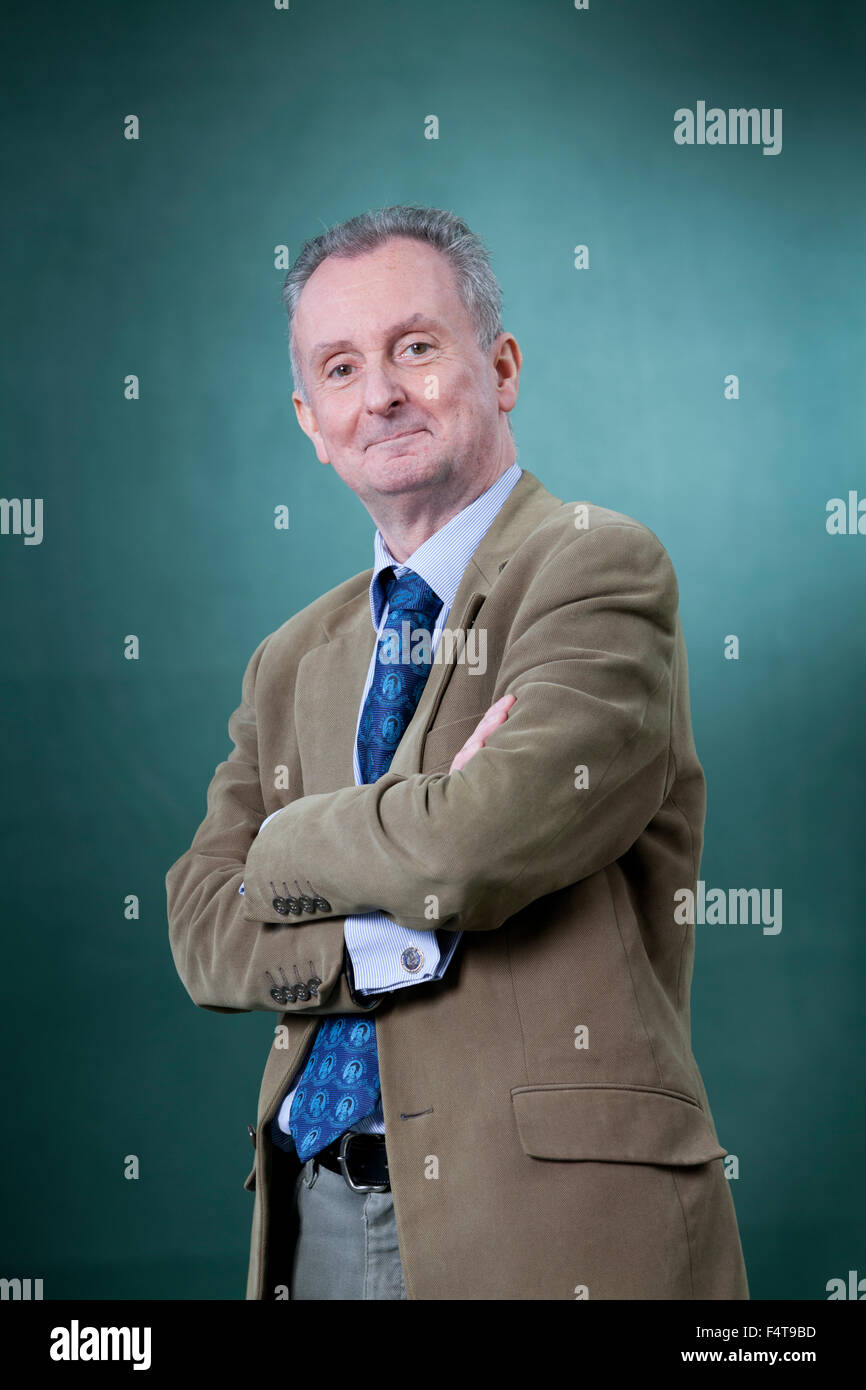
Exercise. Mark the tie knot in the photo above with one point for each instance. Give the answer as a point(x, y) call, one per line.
point(410, 593)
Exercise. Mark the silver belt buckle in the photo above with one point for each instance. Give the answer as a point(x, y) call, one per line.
point(343, 1161)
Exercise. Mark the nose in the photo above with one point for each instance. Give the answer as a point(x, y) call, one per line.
point(382, 388)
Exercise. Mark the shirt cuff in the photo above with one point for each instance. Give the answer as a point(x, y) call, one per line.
point(387, 956)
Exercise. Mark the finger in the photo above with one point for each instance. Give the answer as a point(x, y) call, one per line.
point(495, 715)
point(470, 747)
point(490, 720)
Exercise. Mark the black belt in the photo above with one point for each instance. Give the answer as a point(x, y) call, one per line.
point(360, 1158)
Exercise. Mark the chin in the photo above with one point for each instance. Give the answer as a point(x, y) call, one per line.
point(401, 474)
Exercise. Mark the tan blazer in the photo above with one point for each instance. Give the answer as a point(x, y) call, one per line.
point(548, 1131)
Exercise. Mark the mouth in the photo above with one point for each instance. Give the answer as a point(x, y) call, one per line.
point(406, 434)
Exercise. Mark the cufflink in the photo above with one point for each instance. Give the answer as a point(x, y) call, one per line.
point(412, 959)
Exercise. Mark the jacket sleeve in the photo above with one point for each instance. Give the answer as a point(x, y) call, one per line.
point(227, 965)
point(562, 788)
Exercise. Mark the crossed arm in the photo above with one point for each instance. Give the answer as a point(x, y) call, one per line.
point(564, 786)
point(227, 965)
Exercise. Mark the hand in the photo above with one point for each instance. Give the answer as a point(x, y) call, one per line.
point(496, 715)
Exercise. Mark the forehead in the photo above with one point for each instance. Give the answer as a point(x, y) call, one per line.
point(360, 299)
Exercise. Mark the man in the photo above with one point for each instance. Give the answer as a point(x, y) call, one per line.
point(446, 855)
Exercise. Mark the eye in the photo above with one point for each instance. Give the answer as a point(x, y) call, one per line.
point(428, 347)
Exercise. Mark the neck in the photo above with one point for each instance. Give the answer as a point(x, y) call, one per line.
point(406, 522)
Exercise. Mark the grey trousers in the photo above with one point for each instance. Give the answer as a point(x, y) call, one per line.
point(347, 1241)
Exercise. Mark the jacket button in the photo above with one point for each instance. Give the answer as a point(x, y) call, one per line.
point(301, 991)
point(280, 905)
point(292, 905)
point(308, 904)
point(281, 994)
point(319, 902)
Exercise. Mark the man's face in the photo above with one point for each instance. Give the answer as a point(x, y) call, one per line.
point(387, 348)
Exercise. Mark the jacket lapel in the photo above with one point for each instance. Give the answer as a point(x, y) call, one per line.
point(524, 508)
point(330, 681)
point(333, 675)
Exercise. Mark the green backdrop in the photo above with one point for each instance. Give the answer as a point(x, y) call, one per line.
point(156, 257)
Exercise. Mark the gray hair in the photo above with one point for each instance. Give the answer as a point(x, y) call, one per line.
point(476, 284)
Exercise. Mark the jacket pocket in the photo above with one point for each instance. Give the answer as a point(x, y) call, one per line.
point(613, 1124)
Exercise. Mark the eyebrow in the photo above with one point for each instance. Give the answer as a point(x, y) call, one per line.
point(323, 350)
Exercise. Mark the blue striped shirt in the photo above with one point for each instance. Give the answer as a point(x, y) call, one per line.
point(376, 944)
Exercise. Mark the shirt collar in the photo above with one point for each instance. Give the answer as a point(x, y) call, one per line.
point(442, 559)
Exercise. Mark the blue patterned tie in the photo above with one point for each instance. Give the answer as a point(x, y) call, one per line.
point(340, 1083)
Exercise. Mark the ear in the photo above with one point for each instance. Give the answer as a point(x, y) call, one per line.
point(307, 421)
point(507, 359)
